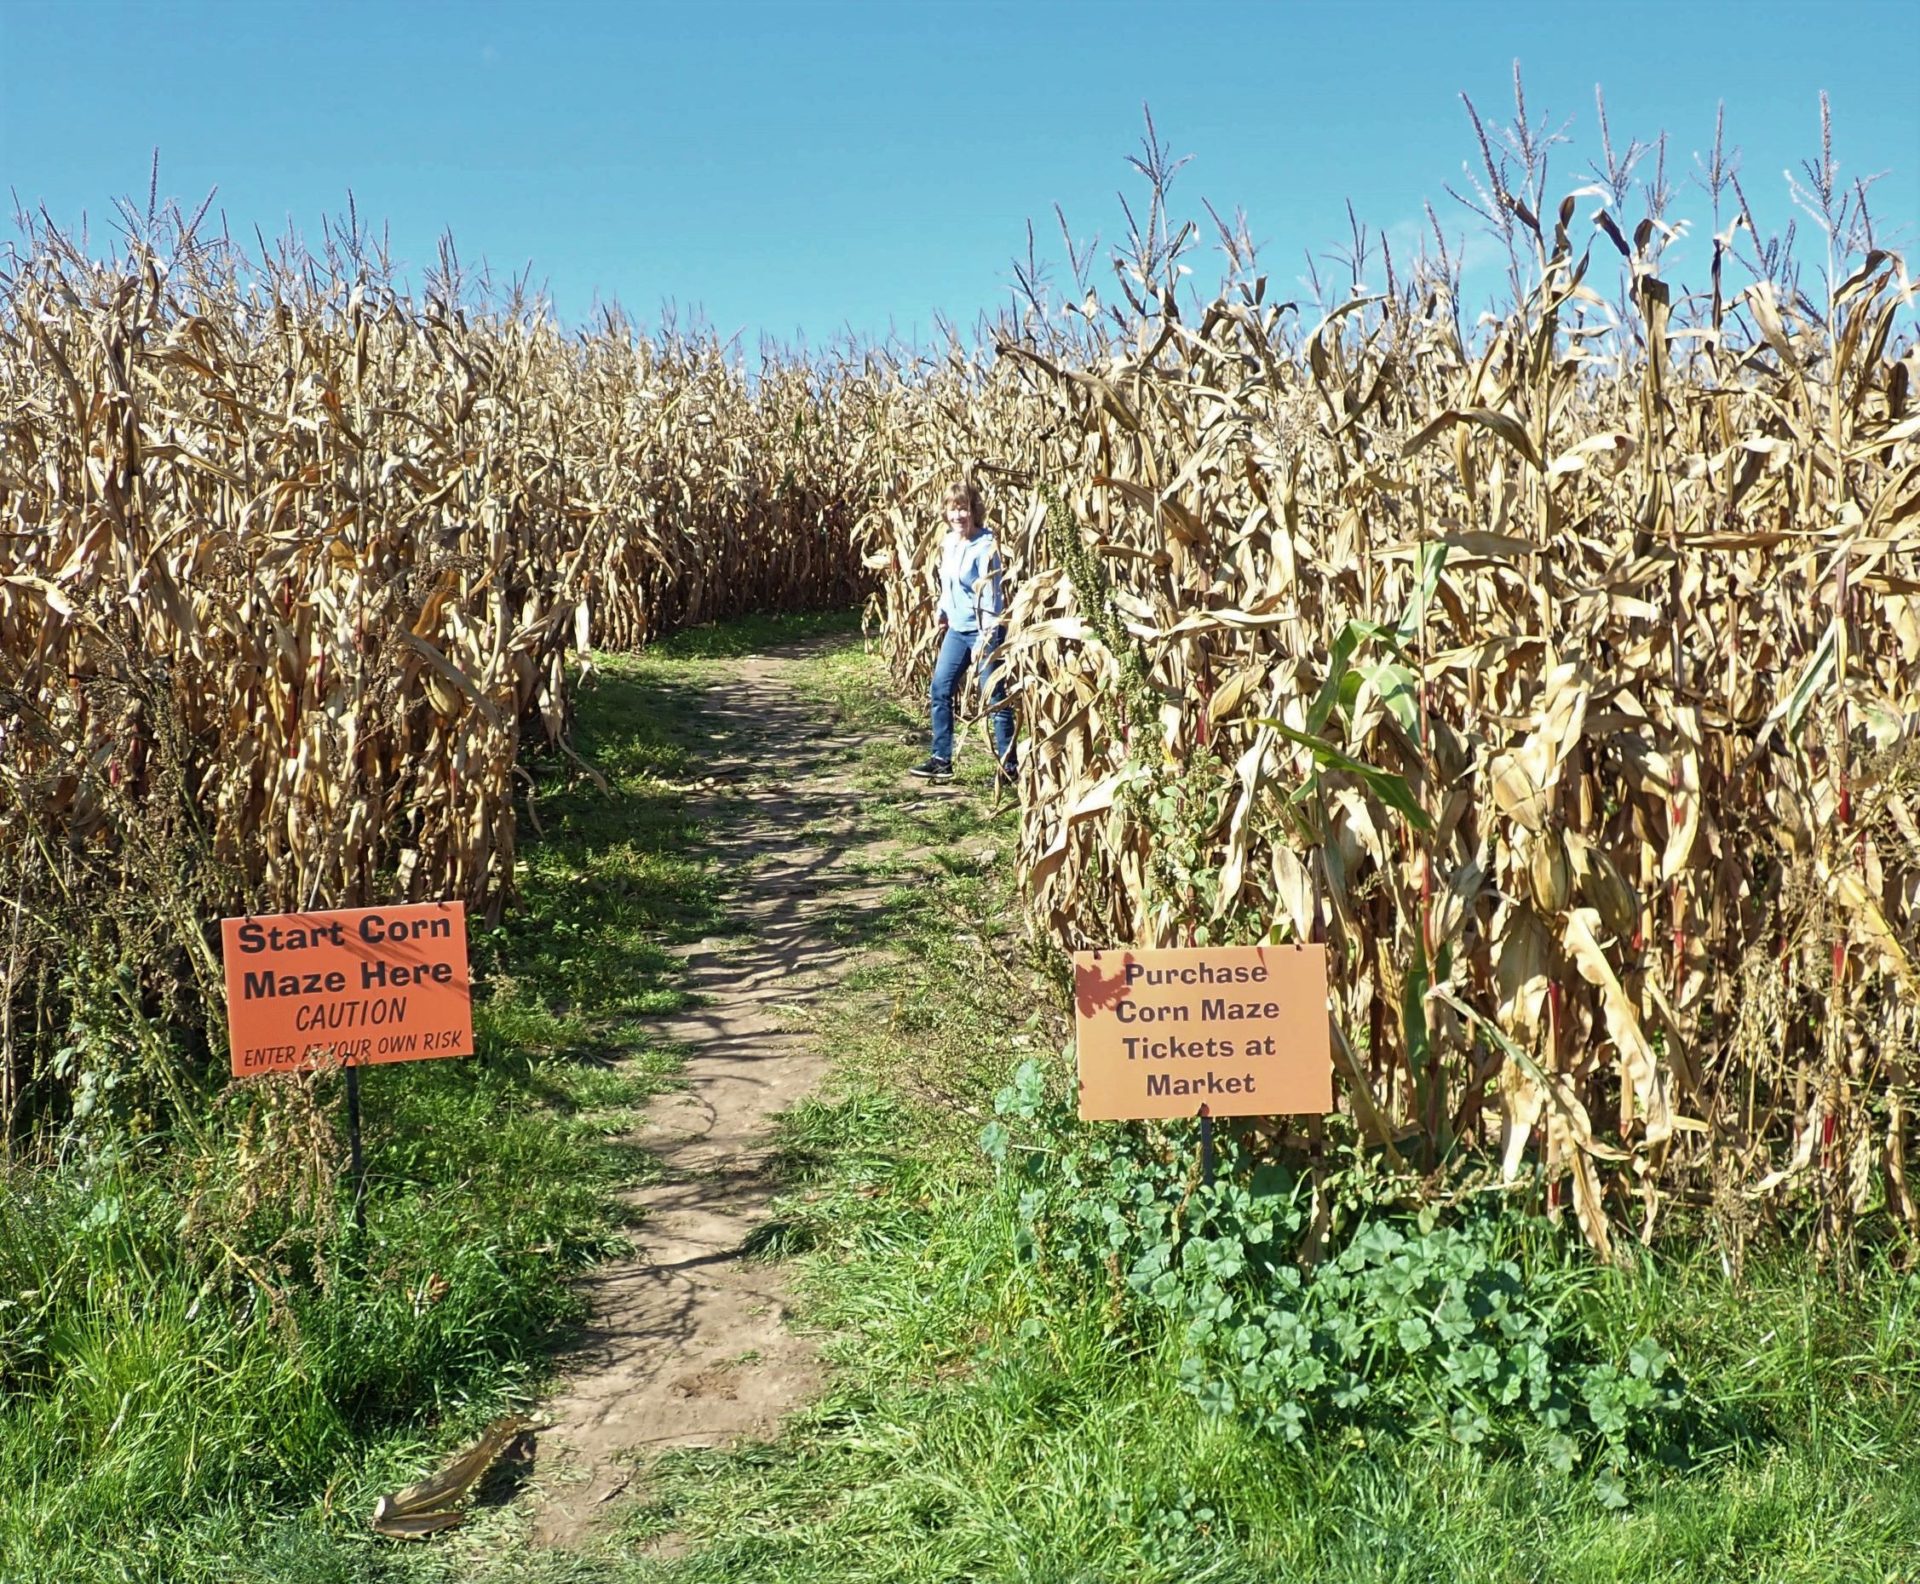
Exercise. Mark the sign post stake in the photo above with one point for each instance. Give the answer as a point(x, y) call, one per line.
point(1206, 1146)
point(353, 1145)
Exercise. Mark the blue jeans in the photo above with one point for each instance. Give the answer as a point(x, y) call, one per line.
point(957, 650)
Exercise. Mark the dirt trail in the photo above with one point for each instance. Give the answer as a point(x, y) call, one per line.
point(687, 1344)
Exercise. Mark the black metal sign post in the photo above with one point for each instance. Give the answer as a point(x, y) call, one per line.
point(353, 1144)
point(1206, 1146)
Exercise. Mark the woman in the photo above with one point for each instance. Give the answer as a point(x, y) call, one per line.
point(972, 625)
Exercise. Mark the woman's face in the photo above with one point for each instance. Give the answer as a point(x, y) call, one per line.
point(960, 518)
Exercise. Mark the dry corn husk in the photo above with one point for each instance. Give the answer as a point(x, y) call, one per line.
point(432, 1505)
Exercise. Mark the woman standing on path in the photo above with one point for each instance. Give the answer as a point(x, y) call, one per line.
point(972, 626)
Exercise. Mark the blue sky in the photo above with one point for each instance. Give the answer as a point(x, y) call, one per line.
point(803, 169)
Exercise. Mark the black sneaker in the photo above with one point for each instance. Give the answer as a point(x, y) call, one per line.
point(1006, 778)
point(933, 770)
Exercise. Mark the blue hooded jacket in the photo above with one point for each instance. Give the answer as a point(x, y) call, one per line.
point(970, 593)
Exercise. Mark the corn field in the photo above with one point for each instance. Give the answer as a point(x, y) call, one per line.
point(1564, 679)
point(292, 571)
point(1561, 673)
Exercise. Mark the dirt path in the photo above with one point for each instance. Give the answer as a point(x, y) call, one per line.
point(687, 1344)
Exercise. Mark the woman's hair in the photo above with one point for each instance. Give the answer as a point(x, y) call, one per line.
point(960, 492)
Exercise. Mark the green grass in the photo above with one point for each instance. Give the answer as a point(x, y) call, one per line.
point(982, 1422)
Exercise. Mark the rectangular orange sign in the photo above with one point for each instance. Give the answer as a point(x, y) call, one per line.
point(1241, 1030)
point(353, 987)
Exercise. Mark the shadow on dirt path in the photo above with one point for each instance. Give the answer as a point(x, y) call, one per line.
point(686, 1342)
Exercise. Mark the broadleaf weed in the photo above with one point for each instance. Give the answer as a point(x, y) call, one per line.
point(1470, 1327)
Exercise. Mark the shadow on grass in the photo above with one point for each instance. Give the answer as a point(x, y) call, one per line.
point(712, 872)
point(753, 635)
point(611, 879)
point(511, 1473)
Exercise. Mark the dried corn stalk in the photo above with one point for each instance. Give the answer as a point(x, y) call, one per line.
point(292, 569)
point(1566, 682)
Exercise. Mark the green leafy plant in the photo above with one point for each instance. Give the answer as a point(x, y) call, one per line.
point(1473, 1328)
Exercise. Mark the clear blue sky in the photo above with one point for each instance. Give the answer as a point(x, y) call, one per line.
point(806, 167)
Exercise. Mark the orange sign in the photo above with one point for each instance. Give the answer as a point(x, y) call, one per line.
point(357, 986)
point(1239, 1030)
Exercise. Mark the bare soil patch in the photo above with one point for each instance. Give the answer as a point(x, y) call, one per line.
point(688, 1343)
